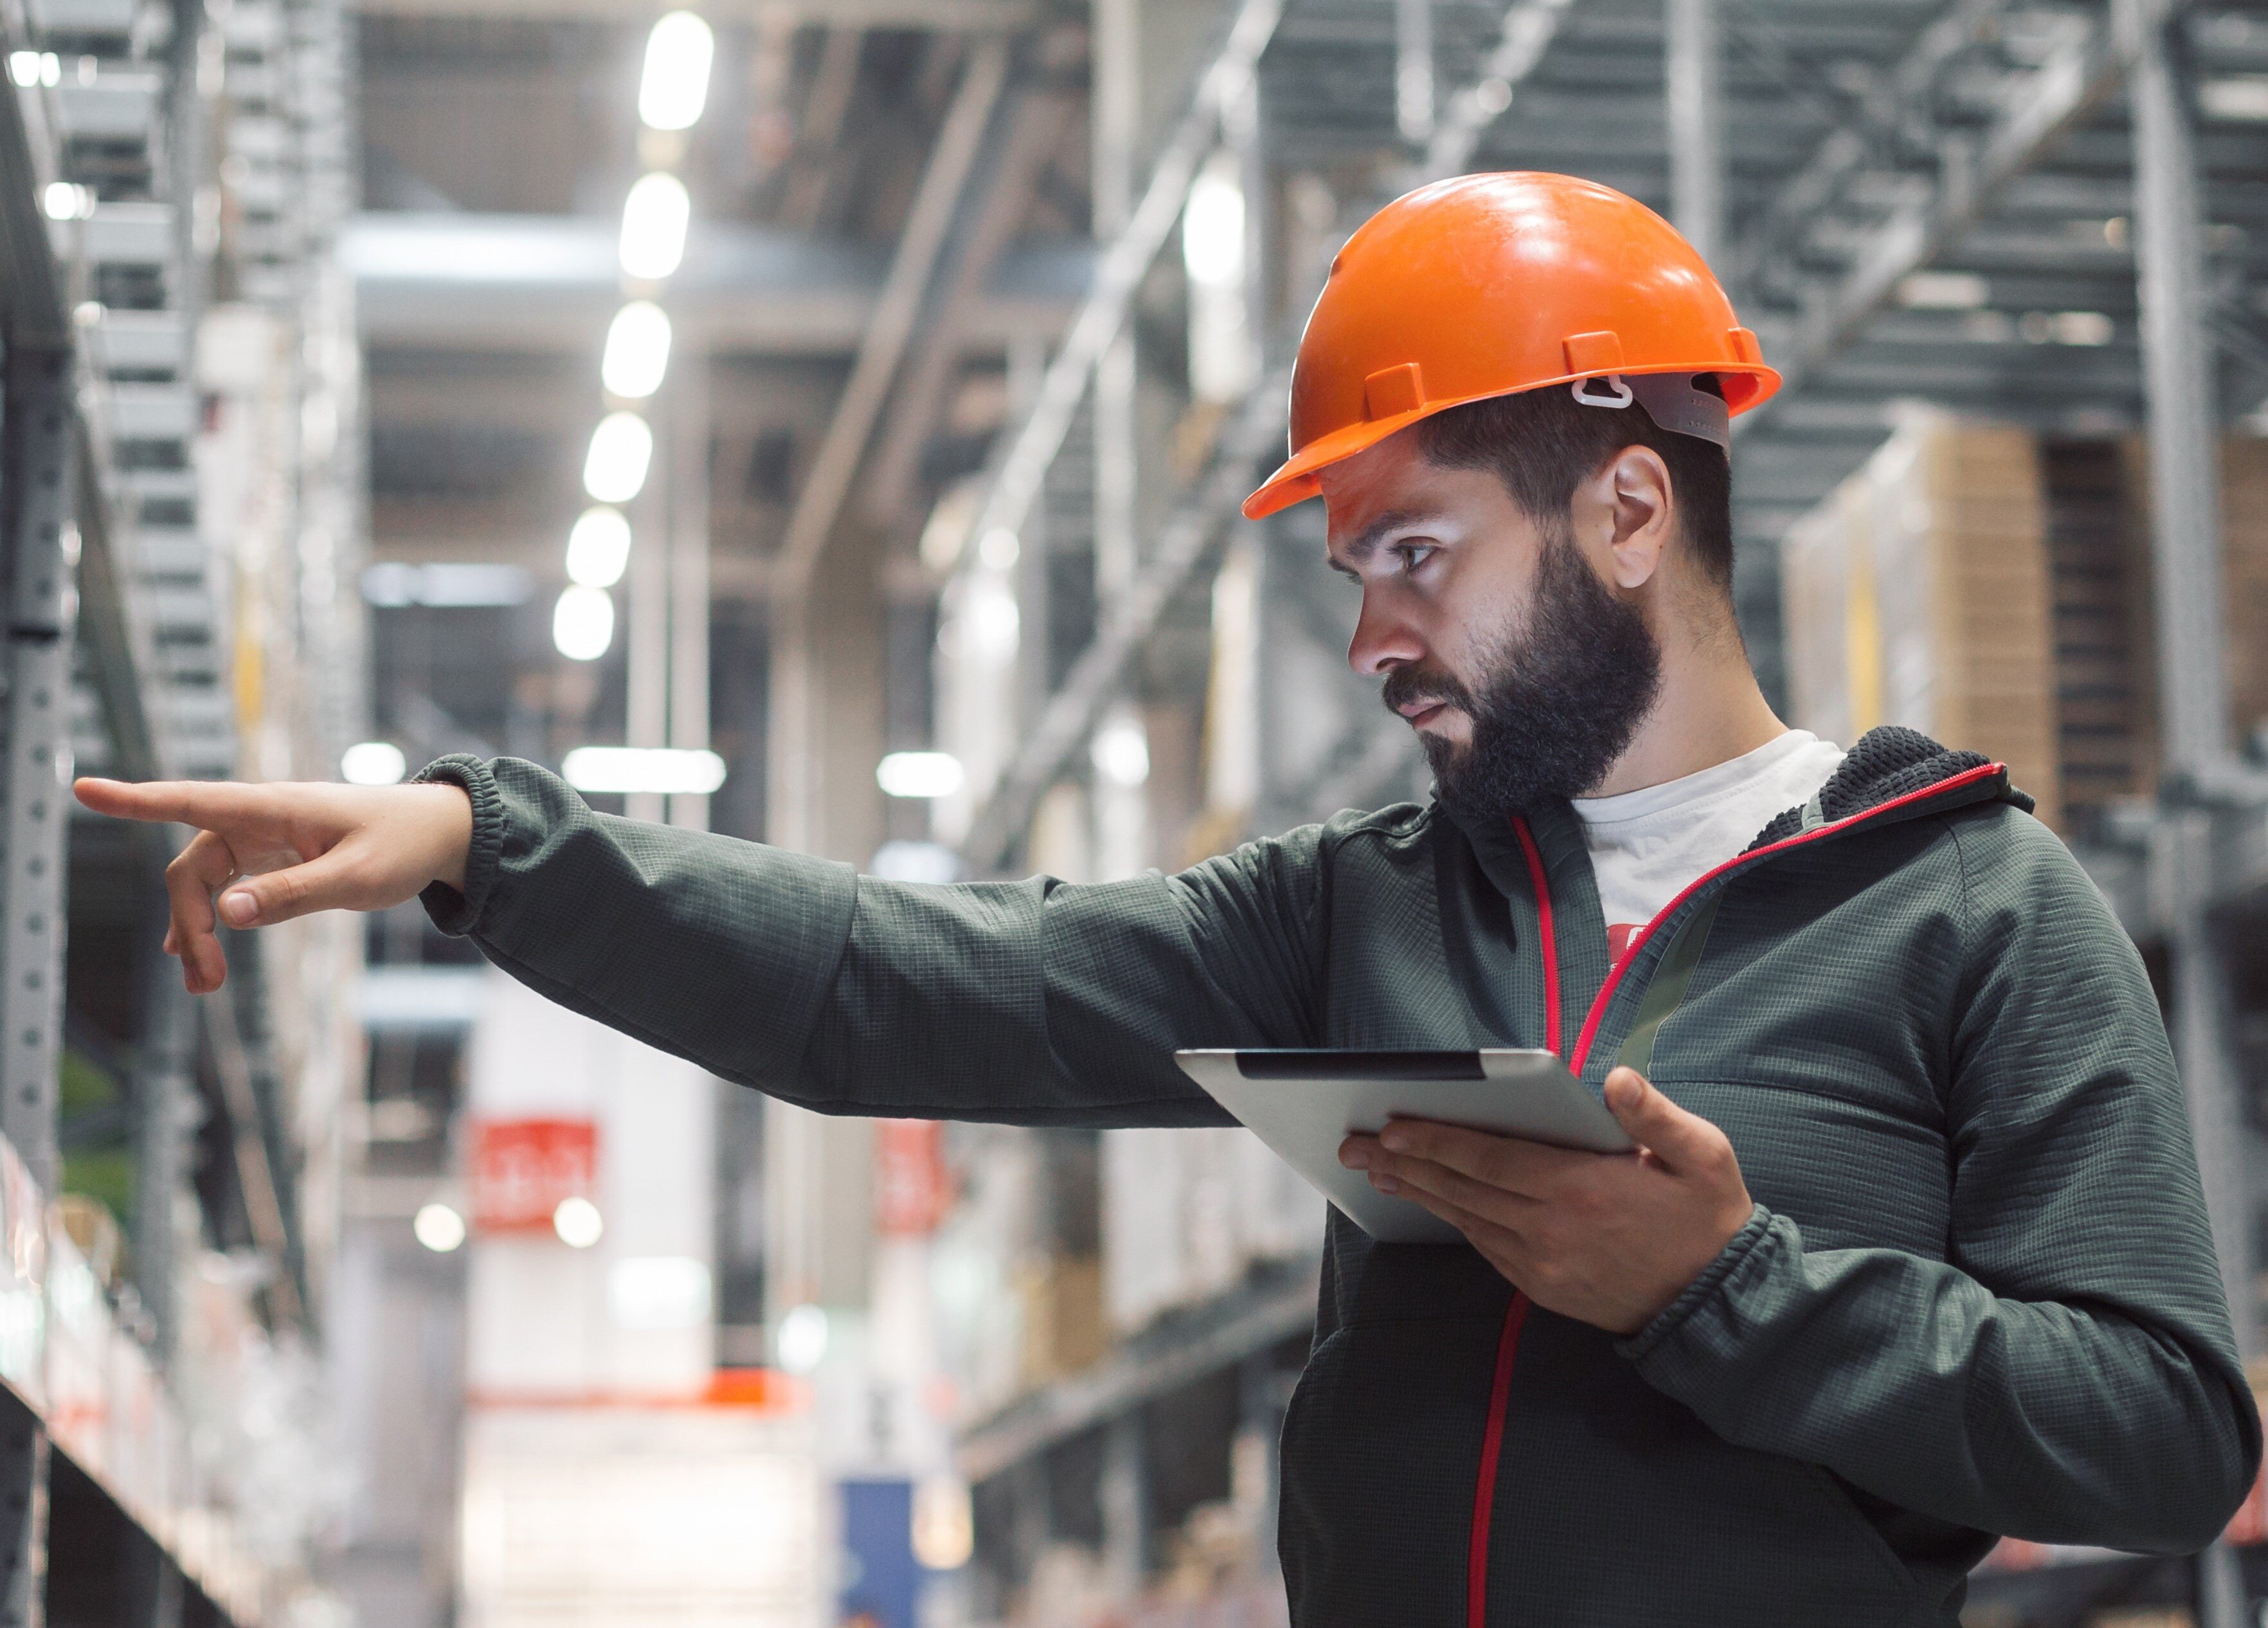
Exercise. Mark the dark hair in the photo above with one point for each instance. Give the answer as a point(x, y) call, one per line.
point(1542, 443)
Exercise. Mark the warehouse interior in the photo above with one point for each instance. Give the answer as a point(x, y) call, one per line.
point(824, 421)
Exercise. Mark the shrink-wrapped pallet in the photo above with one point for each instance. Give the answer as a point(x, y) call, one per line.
point(1918, 593)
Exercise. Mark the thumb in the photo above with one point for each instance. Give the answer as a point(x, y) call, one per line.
point(330, 881)
point(1678, 1138)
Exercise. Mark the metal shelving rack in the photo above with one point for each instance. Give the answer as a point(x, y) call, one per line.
point(2056, 156)
point(118, 656)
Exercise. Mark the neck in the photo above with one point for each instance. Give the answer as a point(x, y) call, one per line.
point(1709, 710)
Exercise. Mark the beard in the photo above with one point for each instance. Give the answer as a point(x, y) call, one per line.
point(1557, 702)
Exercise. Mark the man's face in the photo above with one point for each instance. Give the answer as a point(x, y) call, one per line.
point(1523, 672)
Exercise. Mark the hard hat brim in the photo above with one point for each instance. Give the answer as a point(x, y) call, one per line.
point(1299, 477)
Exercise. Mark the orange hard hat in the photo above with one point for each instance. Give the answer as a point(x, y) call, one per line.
point(1484, 286)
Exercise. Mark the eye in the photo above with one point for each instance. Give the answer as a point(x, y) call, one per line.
point(1416, 554)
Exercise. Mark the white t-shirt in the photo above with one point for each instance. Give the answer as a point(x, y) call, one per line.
point(1647, 845)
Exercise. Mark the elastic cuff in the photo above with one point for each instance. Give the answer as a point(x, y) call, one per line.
point(455, 913)
point(1701, 1290)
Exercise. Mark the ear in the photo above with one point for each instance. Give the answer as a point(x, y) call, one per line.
point(1632, 490)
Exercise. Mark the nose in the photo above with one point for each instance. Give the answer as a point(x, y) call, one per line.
point(1383, 640)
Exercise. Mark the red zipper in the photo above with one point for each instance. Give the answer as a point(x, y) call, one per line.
point(1508, 1344)
point(1507, 1339)
point(1638, 939)
point(1545, 932)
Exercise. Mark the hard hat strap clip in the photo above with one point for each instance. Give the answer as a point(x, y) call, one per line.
point(1673, 401)
point(1620, 396)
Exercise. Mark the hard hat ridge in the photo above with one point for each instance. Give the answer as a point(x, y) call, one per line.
point(1487, 285)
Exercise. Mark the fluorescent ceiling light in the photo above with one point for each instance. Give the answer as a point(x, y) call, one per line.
point(654, 218)
point(598, 548)
point(620, 449)
point(31, 68)
point(638, 350)
point(62, 201)
point(920, 774)
point(583, 624)
point(445, 585)
point(625, 769)
point(2236, 96)
point(373, 763)
point(675, 83)
point(1944, 290)
point(1212, 227)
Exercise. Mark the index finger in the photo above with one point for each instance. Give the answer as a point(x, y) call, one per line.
point(1510, 1163)
point(200, 803)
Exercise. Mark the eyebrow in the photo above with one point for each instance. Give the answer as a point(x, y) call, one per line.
point(1370, 539)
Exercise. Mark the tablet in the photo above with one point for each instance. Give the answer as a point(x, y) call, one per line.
point(1303, 1104)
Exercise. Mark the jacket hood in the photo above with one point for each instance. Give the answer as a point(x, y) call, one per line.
point(1887, 762)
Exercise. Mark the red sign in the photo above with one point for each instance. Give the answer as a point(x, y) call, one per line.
point(912, 1191)
point(524, 1169)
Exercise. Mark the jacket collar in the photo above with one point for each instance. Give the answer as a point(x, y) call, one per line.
point(1888, 762)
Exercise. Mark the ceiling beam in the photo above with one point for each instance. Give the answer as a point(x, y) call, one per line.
point(1036, 134)
point(549, 283)
point(941, 15)
point(935, 204)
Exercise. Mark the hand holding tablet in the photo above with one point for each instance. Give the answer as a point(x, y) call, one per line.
point(1303, 1104)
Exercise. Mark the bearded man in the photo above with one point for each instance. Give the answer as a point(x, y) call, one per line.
point(1914, 1252)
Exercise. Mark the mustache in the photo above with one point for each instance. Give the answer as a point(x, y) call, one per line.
point(1415, 686)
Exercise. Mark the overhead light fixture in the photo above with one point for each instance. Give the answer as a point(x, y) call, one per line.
point(438, 1228)
point(1122, 752)
point(579, 1223)
point(63, 201)
point(675, 86)
point(920, 774)
point(999, 549)
point(31, 68)
point(638, 350)
point(598, 548)
point(2234, 96)
point(621, 447)
point(445, 585)
point(372, 763)
point(654, 218)
point(903, 859)
point(583, 624)
point(800, 1342)
point(1212, 228)
point(622, 771)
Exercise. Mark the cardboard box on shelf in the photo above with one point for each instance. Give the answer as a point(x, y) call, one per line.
point(1919, 592)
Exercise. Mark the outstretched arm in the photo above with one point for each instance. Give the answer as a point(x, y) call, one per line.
point(1032, 1002)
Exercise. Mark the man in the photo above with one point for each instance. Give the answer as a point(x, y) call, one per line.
point(1915, 1252)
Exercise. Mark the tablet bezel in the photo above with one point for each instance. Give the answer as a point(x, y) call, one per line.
point(1304, 1103)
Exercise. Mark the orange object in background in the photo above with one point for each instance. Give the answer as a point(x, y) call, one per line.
point(523, 1169)
point(912, 1190)
point(1486, 285)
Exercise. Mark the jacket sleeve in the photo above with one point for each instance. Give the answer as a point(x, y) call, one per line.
point(1032, 1003)
point(2066, 1373)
